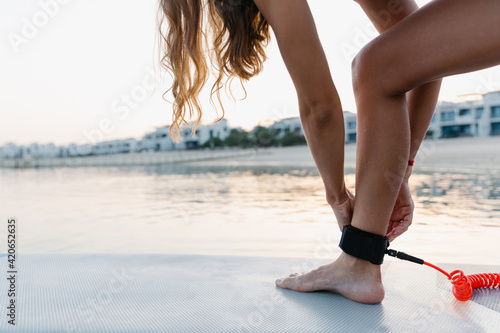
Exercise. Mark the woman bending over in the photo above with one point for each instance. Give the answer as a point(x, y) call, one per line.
point(236, 32)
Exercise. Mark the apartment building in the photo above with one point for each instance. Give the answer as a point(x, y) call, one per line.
point(474, 115)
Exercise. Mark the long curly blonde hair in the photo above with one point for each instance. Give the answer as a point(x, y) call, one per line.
point(230, 35)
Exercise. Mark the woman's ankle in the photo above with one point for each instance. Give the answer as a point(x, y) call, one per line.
point(359, 265)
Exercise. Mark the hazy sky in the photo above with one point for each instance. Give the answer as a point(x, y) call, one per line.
point(85, 71)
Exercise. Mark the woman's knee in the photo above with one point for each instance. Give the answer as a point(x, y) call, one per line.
point(373, 73)
point(366, 71)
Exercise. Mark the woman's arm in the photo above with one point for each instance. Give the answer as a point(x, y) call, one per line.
point(319, 104)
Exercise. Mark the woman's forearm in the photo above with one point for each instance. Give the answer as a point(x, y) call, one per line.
point(324, 130)
point(319, 104)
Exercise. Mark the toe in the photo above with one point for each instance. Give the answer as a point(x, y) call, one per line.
point(287, 283)
point(297, 283)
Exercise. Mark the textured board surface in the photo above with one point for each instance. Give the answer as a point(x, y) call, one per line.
point(192, 293)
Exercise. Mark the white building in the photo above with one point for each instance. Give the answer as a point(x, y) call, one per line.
point(154, 141)
point(115, 147)
point(160, 139)
point(37, 151)
point(491, 121)
point(206, 132)
point(291, 124)
point(33, 151)
point(48, 151)
point(11, 150)
point(475, 116)
point(74, 150)
point(350, 123)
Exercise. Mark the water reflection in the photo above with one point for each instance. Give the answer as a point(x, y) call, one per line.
point(465, 196)
point(238, 209)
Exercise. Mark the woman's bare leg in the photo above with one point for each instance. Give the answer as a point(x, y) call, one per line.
point(421, 101)
point(322, 119)
point(349, 276)
point(445, 37)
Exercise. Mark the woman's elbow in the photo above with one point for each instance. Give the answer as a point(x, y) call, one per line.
point(321, 115)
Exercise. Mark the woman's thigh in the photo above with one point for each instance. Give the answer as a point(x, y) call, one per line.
point(443, 38)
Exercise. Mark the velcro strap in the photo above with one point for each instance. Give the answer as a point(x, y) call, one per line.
point(363, 245)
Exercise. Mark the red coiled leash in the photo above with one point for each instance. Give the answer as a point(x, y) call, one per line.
point(463, 285)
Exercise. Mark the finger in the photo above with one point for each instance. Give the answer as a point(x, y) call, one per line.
point(391, 226)
point(409, 219)
point(351, 195)
point(404, 225)
point(397, 228)
point(389, 229)
point(396, 232)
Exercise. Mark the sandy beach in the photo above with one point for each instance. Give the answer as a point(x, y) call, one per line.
point(458, 154)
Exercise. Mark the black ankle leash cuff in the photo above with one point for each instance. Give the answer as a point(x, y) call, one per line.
point(363, 245)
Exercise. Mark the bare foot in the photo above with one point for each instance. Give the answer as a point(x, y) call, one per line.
point(348, 276)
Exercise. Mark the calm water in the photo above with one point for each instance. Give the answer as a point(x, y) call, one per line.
point(239, 210)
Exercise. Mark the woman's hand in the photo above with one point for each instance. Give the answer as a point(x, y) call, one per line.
point(402, 214)
point(343, 209)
